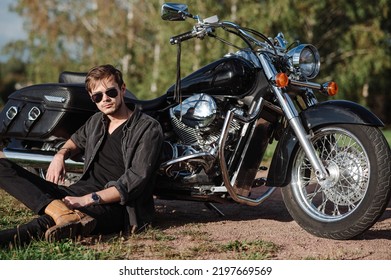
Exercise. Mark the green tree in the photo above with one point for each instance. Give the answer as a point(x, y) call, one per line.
point(353, 38)
point(12, 75)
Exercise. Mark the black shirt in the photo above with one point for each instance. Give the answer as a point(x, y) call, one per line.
point(108, 164)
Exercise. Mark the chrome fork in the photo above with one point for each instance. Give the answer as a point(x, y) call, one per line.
point(292, 116)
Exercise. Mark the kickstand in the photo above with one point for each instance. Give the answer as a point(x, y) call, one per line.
point(213, 207)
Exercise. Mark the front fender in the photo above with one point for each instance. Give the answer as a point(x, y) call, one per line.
point(324, 113)
point(338, 111)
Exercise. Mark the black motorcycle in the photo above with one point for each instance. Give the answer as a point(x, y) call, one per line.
point(331, 160)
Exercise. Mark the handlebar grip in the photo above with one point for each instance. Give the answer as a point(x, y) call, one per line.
point(182, 37)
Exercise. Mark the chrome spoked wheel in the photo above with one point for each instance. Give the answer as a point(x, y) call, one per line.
point(348, 165)
point(357, 190)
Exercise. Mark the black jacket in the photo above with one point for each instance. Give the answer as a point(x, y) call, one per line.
point(141, 146)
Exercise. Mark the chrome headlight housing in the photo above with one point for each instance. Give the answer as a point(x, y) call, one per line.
point(306, 58)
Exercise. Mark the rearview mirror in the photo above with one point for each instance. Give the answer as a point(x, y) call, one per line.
point(175, 11)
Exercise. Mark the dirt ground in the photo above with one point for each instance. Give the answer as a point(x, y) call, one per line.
point(271, 222)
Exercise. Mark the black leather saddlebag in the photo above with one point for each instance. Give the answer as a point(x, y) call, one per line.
point(45, 112)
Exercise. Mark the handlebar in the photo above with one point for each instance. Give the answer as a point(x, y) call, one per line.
point(182, 37)
point(203, 28)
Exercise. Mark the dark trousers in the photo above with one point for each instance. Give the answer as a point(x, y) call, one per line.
point(36, 193)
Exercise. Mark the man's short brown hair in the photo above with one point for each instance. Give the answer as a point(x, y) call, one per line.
point(101, 72)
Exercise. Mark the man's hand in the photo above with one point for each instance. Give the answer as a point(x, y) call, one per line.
point(77, 201)
point(56, 171)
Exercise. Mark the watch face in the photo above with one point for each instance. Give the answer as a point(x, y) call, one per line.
point(95, 198)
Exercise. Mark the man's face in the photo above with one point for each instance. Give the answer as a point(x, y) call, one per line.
point(103, 92)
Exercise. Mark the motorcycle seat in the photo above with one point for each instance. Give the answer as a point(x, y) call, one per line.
point(149, 105)
point(72, 77)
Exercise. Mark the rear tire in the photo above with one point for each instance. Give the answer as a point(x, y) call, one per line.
point(358, 158)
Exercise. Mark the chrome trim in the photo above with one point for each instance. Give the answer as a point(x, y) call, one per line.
point(205, 159)
point(12, 112)
point(257, 109)
point(306, 84)
point(296, 55)
point(34, 114)
point(216, 189)
point(243, 152)
point(294, 120)
point(39, 159)
point(57, 99)
point(197, 111)
point(224, 171)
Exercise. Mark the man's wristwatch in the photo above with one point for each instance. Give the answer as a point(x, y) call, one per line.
point(95, 198)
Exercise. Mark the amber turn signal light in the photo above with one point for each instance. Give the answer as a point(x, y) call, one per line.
point(282, 80)
point(331, 88)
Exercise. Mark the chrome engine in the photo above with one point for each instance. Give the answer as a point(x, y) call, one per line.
point(197, 122)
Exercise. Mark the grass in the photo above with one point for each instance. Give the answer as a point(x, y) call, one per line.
point(152, 244)
point(387, 134)
point(12, 212)
point(188, 242)
point(252, 250)
point(41, 250)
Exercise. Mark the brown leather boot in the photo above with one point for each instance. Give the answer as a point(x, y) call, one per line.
point(69, 223)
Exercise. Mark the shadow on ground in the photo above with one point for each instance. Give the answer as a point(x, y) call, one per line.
point(174, 213)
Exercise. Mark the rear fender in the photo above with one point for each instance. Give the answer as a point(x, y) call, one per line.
point(324, 113)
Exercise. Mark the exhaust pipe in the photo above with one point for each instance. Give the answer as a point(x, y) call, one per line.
point(39, 159)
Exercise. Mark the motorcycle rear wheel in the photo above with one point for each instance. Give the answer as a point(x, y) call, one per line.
point(356, 194)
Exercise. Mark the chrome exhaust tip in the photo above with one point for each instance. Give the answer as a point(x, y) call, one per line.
point(39, 159)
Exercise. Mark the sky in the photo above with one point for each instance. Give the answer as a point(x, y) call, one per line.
point(11, 25)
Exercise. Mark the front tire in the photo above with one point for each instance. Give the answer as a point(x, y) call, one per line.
point(352, 199)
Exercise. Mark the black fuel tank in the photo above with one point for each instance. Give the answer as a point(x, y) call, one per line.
point(229, 76)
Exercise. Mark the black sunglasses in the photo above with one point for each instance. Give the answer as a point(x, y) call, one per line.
point(98, 96)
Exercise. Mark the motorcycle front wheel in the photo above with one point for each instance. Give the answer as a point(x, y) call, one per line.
point(356, 193)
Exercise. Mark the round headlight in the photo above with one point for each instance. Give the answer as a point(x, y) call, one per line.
point(306, 58)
